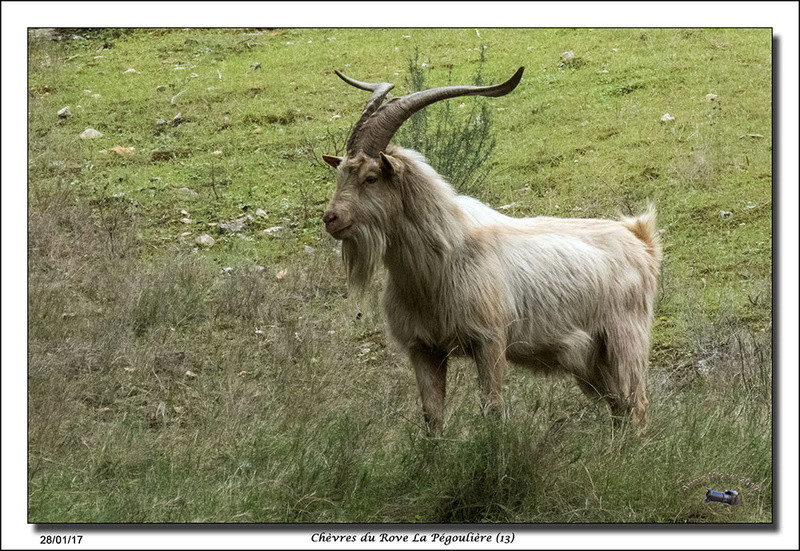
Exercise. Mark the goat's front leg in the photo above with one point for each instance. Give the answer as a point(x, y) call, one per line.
point(430, 367)
point(490, 358)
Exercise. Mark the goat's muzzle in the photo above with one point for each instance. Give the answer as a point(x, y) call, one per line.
point(336, 223)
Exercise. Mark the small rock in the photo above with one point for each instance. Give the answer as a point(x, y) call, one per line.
point(65, 112)
point(90, 134)
point(191, 374)
point(161, 122)
point(131, 70)
point(186, 192)
point(161, 88)
point(567, 58)
point(96, 96)
point(255, 66)
point(162, 153)
point(233, 226)
point(177, 119)
point(261, 212)
point(308, 249)
point(123, 151)
point(187, 220)
point(260, 268)
point(87, 92)
point(666, 117)
point(186, 234)
point(271, 231)
point(205, 240)
point(227, 269)
point(711, 97)
point(184, 212)
point(725, 213)
point(281, 274)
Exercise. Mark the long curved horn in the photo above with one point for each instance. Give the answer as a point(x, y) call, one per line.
point(379, 123)
point(379, 91)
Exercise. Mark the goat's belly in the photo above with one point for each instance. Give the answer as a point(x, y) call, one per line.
point(534, 357)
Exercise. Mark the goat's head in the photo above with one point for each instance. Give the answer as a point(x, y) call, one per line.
point(368, 196)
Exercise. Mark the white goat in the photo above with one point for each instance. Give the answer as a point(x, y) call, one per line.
point(574, 295)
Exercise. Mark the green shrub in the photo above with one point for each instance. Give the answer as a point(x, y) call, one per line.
point(457, 145)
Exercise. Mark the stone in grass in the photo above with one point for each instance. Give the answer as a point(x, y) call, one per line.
point(122, 151)
point(65, 112)
point(275, 230)
point(232, 226)
point(89, 134)
point(567, 58)
point(186, 192)
point(205, 240)
point(162, 153)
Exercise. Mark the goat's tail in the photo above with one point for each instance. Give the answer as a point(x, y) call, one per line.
point(644, 227)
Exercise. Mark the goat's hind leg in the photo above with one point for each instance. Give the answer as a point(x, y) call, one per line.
point(430, 368)
point(609, 367)
point(625, 370)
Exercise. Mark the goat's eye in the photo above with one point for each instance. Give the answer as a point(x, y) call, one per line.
point(371, 179)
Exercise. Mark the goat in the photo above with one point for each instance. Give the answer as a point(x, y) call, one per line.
point(552, 294)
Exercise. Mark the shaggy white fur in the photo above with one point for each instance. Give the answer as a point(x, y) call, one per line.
point(552, 294)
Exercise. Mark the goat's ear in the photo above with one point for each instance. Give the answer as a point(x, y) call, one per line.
point(333, 161)
point(387, 163)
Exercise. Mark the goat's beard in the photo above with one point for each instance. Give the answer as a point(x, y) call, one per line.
point(362, 251)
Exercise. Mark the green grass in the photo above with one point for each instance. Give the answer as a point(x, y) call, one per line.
point(297, 407)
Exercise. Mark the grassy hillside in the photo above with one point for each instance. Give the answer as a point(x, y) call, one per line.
point(170, 381)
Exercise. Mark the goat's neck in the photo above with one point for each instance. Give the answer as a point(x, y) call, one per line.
point(427, 239)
